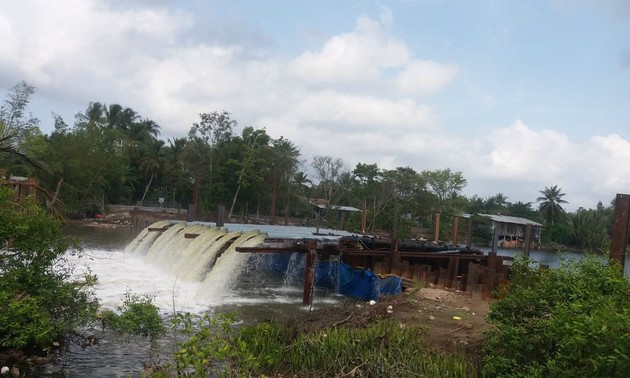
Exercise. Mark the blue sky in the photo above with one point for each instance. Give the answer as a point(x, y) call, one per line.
point(518, 95)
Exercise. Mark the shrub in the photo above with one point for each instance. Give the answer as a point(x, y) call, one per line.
point(570, 322)
point(138, 317)
point(39, 303)
point(217, 347)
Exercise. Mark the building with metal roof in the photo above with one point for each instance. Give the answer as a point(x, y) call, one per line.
point(511, 232)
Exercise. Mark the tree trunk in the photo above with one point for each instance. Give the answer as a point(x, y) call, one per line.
point(146, 189)
point(238, 189)
point(274, 194)
point(196, 197)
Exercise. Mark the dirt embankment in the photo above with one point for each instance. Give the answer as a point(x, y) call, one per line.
point(122, 218)
point(454, 320)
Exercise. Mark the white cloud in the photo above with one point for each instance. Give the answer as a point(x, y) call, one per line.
point(367, 59)
point(424, 77)
point(360, 96)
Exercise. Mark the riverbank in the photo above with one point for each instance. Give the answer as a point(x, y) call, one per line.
point(454, 320)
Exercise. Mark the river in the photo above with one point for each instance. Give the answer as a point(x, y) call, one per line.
point(257, 295)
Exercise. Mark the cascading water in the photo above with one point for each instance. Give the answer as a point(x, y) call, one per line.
point(205, 261)
point(197, 254)
point(145, 239)
point(227, 267)
point(294, 268)
point(163, 240)
point(196, 248)
point(228, 280)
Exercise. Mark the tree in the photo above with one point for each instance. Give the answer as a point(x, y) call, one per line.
point(152, 158)
point(39, 302)
point(550, 203)
point(497, 204)
point(592, 228)
point(328, 172)
point(445, 184)
point(203, 138)
point(12, 112)
point(255, 146)
point(285, 162)
point(9, 151)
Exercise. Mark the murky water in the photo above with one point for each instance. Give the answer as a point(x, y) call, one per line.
point(257, 295)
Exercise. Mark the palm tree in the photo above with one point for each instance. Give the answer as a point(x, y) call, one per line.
point(94, 115)
point(285, 160)
point(550, 203)
point(152, 159)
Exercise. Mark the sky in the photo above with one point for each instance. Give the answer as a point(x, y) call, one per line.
point(517, 95)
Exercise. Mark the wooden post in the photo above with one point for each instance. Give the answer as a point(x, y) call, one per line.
point(490, 278)
point(395, 258)
point(495, 237)
point(455, 229)
point(436, 228)
point(220, 215)
point(309, 273)
point(528, 238)
point(452, 271)
point(620, 229)
point(469, 232)
point(363, 218)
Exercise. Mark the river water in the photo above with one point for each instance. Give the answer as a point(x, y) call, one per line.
point(256, 296)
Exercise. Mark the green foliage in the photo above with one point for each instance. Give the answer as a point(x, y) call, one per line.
point(39, 303)
point(379, 350)
point(592, 228)
point(551, 204)
point(138, 317)
point(212, 347)
point(566, 322)
point(560, 233)
point(216, 347)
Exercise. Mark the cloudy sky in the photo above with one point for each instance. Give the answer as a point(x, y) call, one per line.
point(518, 95)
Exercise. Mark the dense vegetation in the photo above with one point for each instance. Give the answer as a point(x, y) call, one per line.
point(111, 154)
point(39, 302)
point(213, 346)
point(570, 321)
point(566, 322)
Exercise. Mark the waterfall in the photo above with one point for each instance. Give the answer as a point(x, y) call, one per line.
point(227, 268)
point(164, 239)
point(171, 252)
point(295, 269)
point(207, 257)
point(196, 248)
point(145, 238)
point(205, 260)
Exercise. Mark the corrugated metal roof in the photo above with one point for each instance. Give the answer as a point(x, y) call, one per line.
point(509, 219)
point(341, 208)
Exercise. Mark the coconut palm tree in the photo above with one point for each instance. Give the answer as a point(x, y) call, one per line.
point(550, 203)
point(152, 159)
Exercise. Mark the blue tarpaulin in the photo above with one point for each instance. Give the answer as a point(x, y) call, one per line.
point(359, 283)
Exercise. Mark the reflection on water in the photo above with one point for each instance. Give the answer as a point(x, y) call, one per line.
point(101, 237)
point(553, 258)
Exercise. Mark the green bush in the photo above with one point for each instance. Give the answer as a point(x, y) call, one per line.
point(572, 321)
point(215, 346)
point(39, 302)
point(138, 317)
